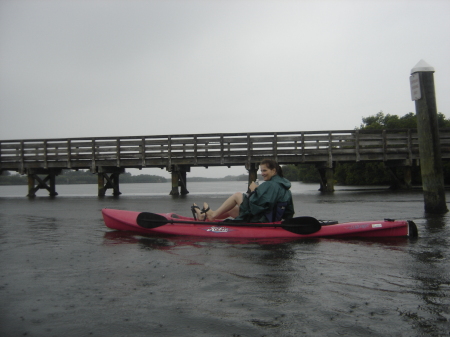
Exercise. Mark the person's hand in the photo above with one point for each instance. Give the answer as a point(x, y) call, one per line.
point(253, 186)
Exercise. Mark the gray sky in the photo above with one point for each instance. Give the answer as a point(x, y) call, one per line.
point(128, 67)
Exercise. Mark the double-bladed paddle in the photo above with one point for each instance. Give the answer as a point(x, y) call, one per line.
point(300, 225)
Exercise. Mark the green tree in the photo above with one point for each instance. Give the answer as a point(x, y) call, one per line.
point(6, 178)
point(408, 121)
point(361, 174)
point(290, 172)
point(306, 173)
point(375, 173)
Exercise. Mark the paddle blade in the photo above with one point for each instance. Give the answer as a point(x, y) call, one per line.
point(151, 220)
point(302, 225)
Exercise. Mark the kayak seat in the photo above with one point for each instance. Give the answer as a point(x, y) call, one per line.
point(276, 214)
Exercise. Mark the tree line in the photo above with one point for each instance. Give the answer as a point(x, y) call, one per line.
point(86, 177)
point(364, 173)
point(81, 177)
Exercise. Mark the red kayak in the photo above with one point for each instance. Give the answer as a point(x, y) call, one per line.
point(300, 227)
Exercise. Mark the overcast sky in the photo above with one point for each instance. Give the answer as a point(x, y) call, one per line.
point(127, 67)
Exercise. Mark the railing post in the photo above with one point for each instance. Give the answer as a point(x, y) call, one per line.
point(93, 156)
point(22, 157)
point(410, 157)
point(249, 150)
point(330, 154)
point(358, 156)
point(195, 150)
point(303, 146)
point(69, 153)
point(169, 151)
point(45, 154)
point(221, 149)
point(143, 152)
point(275, 147)
point(118, 152)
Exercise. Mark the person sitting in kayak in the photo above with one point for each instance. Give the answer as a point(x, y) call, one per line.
point(259, 203)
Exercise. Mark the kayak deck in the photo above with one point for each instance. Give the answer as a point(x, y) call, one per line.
point(127, 221)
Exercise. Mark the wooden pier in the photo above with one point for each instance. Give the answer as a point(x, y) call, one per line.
point(110, 156)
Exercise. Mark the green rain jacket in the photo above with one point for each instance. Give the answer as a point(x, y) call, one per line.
point(265, 197)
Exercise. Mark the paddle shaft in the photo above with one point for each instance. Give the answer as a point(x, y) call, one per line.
point(254, 224)
point(299, 225)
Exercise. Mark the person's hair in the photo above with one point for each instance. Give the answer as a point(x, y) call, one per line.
point(272, 164)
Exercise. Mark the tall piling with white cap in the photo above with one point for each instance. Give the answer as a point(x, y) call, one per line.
point(423, 93)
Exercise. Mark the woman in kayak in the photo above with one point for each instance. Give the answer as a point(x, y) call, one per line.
point(259, 203)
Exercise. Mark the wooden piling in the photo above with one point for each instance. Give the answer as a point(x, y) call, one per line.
point(115, 184)
point(423, 93)
point(400, 172)
point(175, 179)
point(252, 169)
point(178, 173)
point(252, 173)
point(326, 177)
point(106, 181)
point(101, 185)
point(42, 183)
point(31, 187)
point(182, 183)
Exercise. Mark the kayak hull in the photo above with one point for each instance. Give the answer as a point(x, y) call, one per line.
point(127, 221)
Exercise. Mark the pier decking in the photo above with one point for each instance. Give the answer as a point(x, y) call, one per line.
point(110, 156)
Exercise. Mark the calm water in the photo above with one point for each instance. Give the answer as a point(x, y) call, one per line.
point(63, 273)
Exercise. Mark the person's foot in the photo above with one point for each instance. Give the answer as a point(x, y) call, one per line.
point(207, 211)
point(194, 208)
point(200, 215)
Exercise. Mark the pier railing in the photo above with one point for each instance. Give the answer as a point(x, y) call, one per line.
point(227, 149)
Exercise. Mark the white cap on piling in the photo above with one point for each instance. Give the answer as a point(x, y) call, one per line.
point(421, 66)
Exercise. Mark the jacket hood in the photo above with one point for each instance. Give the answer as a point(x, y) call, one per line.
point(281, 181)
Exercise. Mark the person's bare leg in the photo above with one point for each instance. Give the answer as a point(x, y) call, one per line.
point(232, 213)
point(230, 207)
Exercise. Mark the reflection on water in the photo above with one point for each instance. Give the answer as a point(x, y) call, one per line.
point(435, 223)
point(164, 242)
point(430, 270)
point(62, 272)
